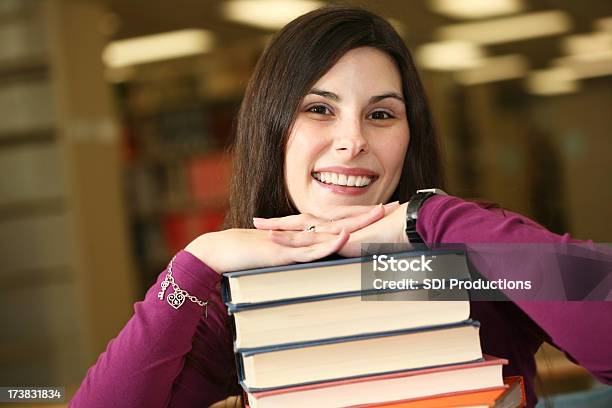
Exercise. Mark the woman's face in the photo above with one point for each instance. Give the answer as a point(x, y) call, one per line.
point(348, 142)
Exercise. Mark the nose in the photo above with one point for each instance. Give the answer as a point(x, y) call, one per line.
point(350, 140)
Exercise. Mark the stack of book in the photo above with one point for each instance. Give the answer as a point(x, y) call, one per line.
point(310, 335)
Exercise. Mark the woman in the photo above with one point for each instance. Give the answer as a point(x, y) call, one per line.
point(334, 122)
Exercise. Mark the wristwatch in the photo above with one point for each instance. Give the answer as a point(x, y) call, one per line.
point(412, 212)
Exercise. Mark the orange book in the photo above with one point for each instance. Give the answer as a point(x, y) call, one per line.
point(512, 395)
point(381, 389)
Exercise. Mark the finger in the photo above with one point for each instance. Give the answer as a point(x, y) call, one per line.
point(300, 222)
point(296, 222)
point(355, 223)
point(320, 250)
point(390, 207)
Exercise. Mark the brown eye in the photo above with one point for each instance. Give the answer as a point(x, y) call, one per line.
point(379, 115)
point(319, 109)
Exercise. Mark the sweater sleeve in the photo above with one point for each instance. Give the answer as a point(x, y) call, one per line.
point(148, 364)
point(582, 329)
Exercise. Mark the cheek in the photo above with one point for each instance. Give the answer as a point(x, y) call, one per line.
point(391, 153)
point(303, 148)
point(292, 164)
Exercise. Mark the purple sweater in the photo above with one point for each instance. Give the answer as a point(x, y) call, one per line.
point(178, 358)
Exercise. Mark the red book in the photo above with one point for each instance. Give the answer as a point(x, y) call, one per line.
point(382, 389)
point(209, 178)
point(512, 395)
point(181, 229)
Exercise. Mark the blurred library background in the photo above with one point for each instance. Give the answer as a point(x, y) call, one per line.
point(115, 117)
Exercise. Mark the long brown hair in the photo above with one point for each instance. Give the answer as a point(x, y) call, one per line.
point(298, 55)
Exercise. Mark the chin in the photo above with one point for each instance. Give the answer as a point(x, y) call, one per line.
point(324, 205)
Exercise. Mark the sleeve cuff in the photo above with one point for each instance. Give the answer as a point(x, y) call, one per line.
point(194, 276)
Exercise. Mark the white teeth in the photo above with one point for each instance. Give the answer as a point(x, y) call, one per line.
point(343, 179)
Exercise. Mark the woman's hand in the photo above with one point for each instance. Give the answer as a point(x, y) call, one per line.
point(349, 217)
point(387, 230)
point(236, 249)
point(373, 226)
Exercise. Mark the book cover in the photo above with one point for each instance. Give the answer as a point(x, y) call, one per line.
point(399, 386)
point(307, 280)
point(511, 395)
point(242, 354)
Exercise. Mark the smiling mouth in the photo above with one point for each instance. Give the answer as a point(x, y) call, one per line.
point(344, 180)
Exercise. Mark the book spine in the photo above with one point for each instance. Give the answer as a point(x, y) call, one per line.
point(240, 370)
point(226, 296)
point(233, 328)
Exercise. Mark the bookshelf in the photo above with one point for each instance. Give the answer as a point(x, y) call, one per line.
point(177, 119)
point(61, 205)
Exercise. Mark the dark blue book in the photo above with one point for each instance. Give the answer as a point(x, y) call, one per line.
point(312, 362)
point(345, 275)
point(345, 314)
point(335, 311)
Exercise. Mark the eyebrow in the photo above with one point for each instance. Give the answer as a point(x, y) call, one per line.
point(373, 99)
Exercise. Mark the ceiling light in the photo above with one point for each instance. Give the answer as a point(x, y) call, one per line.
point(553, 81)
point(157, 47)
point(586, 68)
point(589, 46)
point(267, 14)
point(508, 29)
point(494, 69)
point(449, 55)
point(468, 9)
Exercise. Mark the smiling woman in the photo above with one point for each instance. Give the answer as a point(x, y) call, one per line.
point(335, 79)
point(334, 122)
point(350, 136)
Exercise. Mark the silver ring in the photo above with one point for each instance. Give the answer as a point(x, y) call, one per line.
point(310, 228)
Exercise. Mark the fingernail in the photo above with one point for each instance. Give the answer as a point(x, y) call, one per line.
point(392, 204)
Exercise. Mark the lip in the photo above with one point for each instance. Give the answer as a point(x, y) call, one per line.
point(344, 190)
point(349, 171)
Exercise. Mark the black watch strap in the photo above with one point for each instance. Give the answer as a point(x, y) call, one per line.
point(412, 213)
